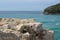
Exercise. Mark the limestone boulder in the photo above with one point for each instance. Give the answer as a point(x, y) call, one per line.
point(49, 35)
point(23, 29)
point(8, 34)
point(29, 27)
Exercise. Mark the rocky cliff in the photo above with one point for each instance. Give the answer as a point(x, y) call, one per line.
point(54, 9)
point(23, 29)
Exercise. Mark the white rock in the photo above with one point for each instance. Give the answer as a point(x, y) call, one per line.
point(26, 36)
point(23, 29)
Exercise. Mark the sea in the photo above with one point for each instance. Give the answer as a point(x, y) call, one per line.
point(51, 22)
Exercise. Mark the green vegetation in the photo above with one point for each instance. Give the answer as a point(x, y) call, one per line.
point(55, 9)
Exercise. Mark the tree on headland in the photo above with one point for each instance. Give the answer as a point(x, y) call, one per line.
point(55, 9)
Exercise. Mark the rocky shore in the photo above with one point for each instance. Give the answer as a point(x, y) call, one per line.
point(23, 29)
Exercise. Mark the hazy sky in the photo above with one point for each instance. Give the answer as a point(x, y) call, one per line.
point(26, 5)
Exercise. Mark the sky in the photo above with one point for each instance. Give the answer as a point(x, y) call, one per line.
point(26, 5)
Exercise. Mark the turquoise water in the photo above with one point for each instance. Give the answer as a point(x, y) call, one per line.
point(51, 22)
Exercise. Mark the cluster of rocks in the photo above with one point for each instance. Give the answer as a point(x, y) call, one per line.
point(23, 29)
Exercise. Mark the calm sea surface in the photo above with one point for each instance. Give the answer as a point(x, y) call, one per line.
point(51, 22)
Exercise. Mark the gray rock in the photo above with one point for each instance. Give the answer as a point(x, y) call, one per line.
point(23, 29)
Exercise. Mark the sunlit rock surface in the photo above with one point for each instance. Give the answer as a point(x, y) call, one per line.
point(23, 29)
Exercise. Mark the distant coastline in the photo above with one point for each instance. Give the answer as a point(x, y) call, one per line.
point(54, 9)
